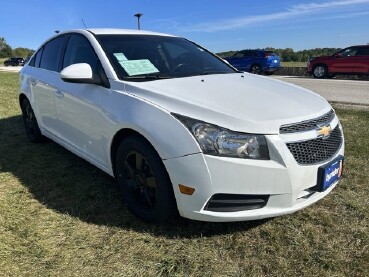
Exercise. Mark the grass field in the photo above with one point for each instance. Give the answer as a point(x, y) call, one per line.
point(60, 216)
point(293, 64)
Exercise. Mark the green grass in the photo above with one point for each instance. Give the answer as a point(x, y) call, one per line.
point(60, 216)
point(293, 64)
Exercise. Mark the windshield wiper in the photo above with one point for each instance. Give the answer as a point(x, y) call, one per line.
point(147, 77)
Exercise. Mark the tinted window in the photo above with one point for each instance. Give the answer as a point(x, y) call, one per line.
point(79, 50)
point(36, 58)
point(238, 55)
point(51, 55)
point(363, 51)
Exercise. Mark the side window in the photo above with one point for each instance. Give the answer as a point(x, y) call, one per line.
point(79, 50)
point(238, 55)
point(36, 58)
point(363, 51)
point(248, 53)
point(52, 53)
point(349, 52)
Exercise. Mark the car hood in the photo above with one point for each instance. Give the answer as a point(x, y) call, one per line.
point(240, 102)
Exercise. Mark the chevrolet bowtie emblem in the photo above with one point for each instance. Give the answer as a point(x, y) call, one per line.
point(324, 131)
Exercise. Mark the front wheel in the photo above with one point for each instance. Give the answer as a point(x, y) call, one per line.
point(144, 181)
point(255, 69)
point(320, 71)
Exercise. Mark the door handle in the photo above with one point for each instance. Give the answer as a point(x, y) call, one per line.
point(58, 93)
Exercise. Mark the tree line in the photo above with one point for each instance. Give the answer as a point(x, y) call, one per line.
point(6, 51)
point(289, 55)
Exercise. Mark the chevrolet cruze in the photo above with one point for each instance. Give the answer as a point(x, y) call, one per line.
point(179, 128)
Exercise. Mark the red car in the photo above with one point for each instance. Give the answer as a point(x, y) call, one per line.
point(351, 60)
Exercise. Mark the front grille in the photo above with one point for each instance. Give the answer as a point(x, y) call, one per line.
point(223, 202)
point(308, 124)
point(316, 150)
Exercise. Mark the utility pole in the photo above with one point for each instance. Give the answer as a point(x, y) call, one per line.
point(138, 15)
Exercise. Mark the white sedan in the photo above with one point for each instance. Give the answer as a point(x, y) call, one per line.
point(179, 128)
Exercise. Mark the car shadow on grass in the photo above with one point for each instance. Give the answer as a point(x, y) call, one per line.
point(67, 184)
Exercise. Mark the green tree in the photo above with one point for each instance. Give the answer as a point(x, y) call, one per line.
point(5, 49)
point(22, 52)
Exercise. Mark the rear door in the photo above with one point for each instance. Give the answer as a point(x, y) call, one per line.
point(362, 59)
point(44, 83)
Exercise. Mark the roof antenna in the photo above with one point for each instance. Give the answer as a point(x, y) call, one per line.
point(84, 23)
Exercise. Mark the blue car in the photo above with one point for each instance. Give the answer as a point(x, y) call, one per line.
point(255, 61)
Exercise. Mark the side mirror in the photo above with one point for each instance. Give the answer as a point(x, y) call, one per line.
point(79, 73)
point(337, 55)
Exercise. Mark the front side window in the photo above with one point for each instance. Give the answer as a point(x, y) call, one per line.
point(149, 57)
point(348, 52)
point(79, 50)
point(51, 56)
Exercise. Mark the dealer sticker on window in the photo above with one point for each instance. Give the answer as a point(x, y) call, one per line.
point(138, 67)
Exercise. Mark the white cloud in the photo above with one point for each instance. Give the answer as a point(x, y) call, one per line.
point(325, 5)
point(293, 11)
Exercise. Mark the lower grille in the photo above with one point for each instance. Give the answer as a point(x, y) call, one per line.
point(316, 150)
point(235, 202)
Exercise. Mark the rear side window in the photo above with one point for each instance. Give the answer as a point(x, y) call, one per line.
point(36, 58)
point(363, 51)
point(52, 53)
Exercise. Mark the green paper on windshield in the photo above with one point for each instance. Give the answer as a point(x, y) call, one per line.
point(138, 67)
point(120, 57)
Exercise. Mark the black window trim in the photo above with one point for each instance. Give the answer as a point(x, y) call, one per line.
point(101, 73)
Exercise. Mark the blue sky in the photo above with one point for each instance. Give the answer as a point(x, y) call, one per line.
point(217, 25)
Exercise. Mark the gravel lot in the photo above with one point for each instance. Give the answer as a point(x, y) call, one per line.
point(334, 90)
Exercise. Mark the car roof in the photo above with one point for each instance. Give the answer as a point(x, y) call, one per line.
point(112, 31)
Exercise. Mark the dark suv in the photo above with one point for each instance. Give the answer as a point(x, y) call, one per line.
point(14, 61)
point(351, 60)
point(255, 61)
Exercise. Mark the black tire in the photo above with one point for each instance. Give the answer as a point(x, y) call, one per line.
point(255, 69)
point(320, 71)
point(30, 122)
point(144, 181)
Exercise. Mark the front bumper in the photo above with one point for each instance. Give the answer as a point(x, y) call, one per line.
point(286, 182)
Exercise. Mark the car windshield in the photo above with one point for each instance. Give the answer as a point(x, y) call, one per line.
point(151, 57)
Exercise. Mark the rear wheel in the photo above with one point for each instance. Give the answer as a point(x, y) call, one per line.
point(255, 69)
point(320, 71)
point(30, 122)
point(144, 181)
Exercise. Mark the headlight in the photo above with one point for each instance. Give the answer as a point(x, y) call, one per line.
point(215, 140)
